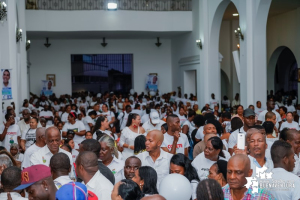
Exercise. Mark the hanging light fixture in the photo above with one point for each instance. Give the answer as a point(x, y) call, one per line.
point(47, 44)
point(3, 11)
point(19, 35)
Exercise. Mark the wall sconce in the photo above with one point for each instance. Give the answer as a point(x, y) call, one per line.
point(199, 43)
point(158, 43)
point(19, 35)
point(104, 43)
point(47, 44)
point(3, 12)
point(27, 45)
point(238, 46)
point(238, 33)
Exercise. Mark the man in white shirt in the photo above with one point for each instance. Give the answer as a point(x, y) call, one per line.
point(154, 156)
point(257, 145)
point(174, 141)
point(293, 137)
point(40, 142)
point(53, 140)
point(10, 132)
point(270, 108)
point(47, 114)
point(60, 169)
point(24, 123)
point(283, 158)
point(289, 123)
point(249, 121)
point(10, 179)
point(258, 108)
point(123, 116)
point(154, 123)
point(87, 170)
point(213, 102)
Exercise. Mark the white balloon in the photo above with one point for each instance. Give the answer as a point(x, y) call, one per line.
point(175, 187)
point(131, 91)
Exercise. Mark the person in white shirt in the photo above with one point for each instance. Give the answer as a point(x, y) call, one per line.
point(24, 123)
point(10, 132)
point(212, 153)
point(11, 178)
point(270, 139)
point(187, 126)
point(40, 142)
point(60, 169)
point(257, 145)
point(213, 102)
point(290, 107)
point(53, 140)
point(108, 114)
point(258, 108)
point(89, 121)
point(249, 121)
point(123, 116)
point(181, 116)
point(174, 141)
point(28, 136)
point(55, 105)
point(47, 114)
point(65, 115)
point(153, 123)
point(137, 110)
point(154, 156)
point(146, 115)
point(293, 137)
point(110, 158)
point(88, 171)
point(270, 108)
point(283, 158)
point(77, 126)
point(289, 123)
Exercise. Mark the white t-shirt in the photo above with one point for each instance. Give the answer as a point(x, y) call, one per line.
point(26, 161)
point(191, 127)
point(30, 136)
point(233, 137)
point(64, 117)
point(123, 119)
point(181, 144)
point(200, 135)
point(56, 107)
point(293, 125)
point(226, 102)
point(145, 118)
point(270, 142)
point(13, 132)
point(213, 103)
point(76, 127)
point(182, 119)
point(202, 165)
point(149, 127)
point(86, 121)
point(290, 108)
point(47, 114)
point(109, 115)
point(261, 117)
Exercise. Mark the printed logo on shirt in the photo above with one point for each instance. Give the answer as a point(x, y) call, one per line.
point(74, 129)
point(11, 133)
point(177, 147)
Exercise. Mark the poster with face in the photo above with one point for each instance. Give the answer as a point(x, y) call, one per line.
point(46, 88)
point(152, 83)
point(6, 85)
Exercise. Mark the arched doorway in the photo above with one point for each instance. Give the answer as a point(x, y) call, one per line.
point(283, 71)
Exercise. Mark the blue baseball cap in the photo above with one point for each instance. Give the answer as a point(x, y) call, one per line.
point(75, 191)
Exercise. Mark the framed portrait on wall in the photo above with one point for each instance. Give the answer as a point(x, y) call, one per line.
point(51, 77)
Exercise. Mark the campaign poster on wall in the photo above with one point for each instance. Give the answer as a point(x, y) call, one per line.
point(46, 88)
point(6, 85)
point(152, 82)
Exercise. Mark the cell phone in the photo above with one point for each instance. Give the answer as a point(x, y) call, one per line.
point(241, 141)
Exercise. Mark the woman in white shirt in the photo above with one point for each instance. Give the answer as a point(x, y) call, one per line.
point(180, 164)
point(29, 136)
point(109, 157)
point(108, 114)
point(76, 126)
point(101, 127)
point(212, 153)
point(14, 151)
point(74, 152)
point(218, 171)
point(146, 178)
point(129, 133)
point(65, 115)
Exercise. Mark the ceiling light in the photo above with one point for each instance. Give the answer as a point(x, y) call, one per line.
point(235, 14)
point(112, 6)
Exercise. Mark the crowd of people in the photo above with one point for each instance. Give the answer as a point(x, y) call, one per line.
point(138, 146)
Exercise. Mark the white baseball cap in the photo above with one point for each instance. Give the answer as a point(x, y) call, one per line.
point(154, 117)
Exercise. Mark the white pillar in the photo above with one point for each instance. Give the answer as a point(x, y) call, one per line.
point(9, 52)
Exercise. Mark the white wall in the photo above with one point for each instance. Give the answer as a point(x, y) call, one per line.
point(100, 20)
point(147, 58)
point(190, 82)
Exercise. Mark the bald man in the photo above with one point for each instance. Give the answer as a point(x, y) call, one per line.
point(154, 156)
point(154, 197)
point(238, 168)
point(44, 155)
point(40, 142)
point(88, 171)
